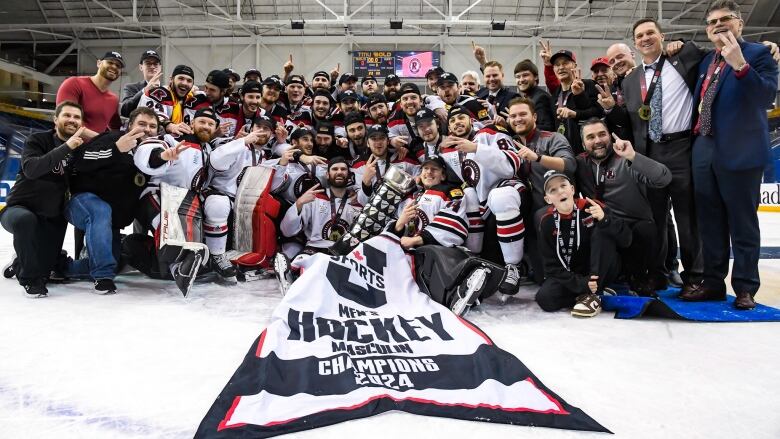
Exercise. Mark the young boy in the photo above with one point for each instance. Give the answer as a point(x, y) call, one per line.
point(578, 241)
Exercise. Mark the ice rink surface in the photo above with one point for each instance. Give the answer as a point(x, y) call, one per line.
point(146, 363)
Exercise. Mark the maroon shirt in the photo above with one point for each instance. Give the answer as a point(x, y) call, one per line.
point(100, 108)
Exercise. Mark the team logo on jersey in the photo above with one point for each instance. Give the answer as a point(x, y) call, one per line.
point(199, 179)
point(482, 114)
point(333, 232)
point(422, 220)
point(610, 174)
point(158, 94)
point(303, 184)
point(470, 171)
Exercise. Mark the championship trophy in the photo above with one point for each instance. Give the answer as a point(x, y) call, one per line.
point(380, 208)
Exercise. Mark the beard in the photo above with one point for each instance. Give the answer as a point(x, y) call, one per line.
point(392, 95)
point(203, 135)
point(600, 151)
point(339, 182)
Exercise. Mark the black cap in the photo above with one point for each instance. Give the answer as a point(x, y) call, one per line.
point(325, 128)
point(376, 129)
point(301, 132)
point(424, 114)
point(218, 78)
point(262, 119)
point(347, 94)
point(368, 78)
point(337, 160)
point(392, 79)
point(181, 69)
point(563, 52)
point(207, 112)
point(346, 77)
point(552, 173)
point(232, 73)
point(375, 98)
point(150, 54)
point(457, 109)
point(446, 77)
point(434, 70)
point(115, 56)
point(354, 117)
point(319, 91)
point(274, 81)
point(296, 79)
point(251, 87)
point(409, 87)
point(321, 73)
point(435, 158)
point(253, 72)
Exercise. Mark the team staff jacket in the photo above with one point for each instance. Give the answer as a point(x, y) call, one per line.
point(358, 168)
point(189, 171)
point(162, 101)
point(551, 235)
point(228, 162)
point(622, 184)
point(41, 185)
point(552, 145)
point(99, 167)
point(494, 161)
point(441, 217)
point(316, 219)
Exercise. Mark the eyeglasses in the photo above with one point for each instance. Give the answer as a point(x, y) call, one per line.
point(724, 19)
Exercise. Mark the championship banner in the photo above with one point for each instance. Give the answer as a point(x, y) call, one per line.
point(355, 337)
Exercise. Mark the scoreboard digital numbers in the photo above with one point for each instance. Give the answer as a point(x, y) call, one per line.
point(375, 63)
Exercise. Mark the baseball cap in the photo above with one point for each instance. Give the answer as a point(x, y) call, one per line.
point(325, 128)
point(232, 73)
point(301, 132)
point(274, 81)
point(116, 56)
point(424, 114)
point(435, 158)
point(409, 87)
point(206, 112)
point(375, 98)
point(599, 61)
point(552, 173)
point(251, 87)
point(337, 160)
point(376, 129)
point(434, 71)
point(253, 72)
point(447, 77)
point(457, 109)
point(347, 94)
point(262, 119)
point(563, 52)
point(150, 54)
point(368, 78)
point(218, 78)
point(322, 74)
point(346, 77)
point(181, 69)
point(296, 79)
point(392, 79)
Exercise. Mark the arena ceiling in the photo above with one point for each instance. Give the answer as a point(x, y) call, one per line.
point(61, 23)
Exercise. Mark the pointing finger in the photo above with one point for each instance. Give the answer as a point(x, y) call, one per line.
point(291, 57)
point(617, 139)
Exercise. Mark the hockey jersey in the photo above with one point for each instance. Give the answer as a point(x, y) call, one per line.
point(441, 217)
point(228, 162)
point(189, 171)
point(323, 220)
point(162, 100)
point(358, 168)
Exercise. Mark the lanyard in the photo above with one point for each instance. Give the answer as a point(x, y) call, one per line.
point(647, 94)
point(412, 133)
point(254, 157)
point(335, 215)
point(713, 74)
point(564, 250)
point(562, 100)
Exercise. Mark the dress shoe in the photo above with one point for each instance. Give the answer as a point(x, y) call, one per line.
point(744, 301)
point(703, 294)
point(658, 282)
point(674, 279)
point(688, 288)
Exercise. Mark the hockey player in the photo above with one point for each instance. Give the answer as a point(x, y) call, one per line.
point(391, 89)
point(430, 137)
point(379, 112)
point(296, 98)
point(301, 168)
point(236, 115)
point(354, 144)
point(311, 116)
point(487, 162)
point(401, 126)
point(176, 103)
point(269, 102)
point(578, 240)
point(324, 215)
point(369, 85)
point(181, 163)
point(433, 215)
point(325, 141)
point(370, 168)
point(448, 91)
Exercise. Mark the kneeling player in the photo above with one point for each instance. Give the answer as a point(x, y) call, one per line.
point(578, 241)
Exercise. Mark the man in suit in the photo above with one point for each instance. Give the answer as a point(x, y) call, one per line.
point(495, 92)
point(658, 96)
point(737, 82)
point(151, 69)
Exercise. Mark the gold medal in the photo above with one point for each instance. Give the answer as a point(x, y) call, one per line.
point(644, 112)
point(334, 236)
point(701, 104)
point(139, 180)
point(562, 129)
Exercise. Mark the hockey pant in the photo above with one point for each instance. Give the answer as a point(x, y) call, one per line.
point(439, 271)
point(503, 201)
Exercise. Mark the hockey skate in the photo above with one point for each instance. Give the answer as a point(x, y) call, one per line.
point(224, 269)
point(469, 291)
point(510, 285)
point(186, 267)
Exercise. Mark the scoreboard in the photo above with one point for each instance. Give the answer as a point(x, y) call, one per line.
point(377, 63)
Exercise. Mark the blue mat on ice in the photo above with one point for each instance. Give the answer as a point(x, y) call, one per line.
point(669, 306)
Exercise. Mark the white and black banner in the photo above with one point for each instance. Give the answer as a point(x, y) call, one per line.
point(355, 337)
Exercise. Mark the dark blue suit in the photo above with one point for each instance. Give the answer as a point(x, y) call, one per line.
point(727, 168)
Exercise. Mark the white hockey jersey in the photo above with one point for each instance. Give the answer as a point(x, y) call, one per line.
point(228, 162)
point(317, 219)
point(189, 171)
point(358, 168)
point(441, 217)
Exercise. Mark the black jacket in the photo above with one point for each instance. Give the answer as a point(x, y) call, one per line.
point(502, 98)
point(545, 110)
point(585, 104)
point(42, 184)
point(100, 168)
point(131, 97)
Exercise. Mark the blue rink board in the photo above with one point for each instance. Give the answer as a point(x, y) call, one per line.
point(669, 306)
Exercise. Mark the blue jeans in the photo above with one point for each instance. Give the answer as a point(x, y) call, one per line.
point(91, 214)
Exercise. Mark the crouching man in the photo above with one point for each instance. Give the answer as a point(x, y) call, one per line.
point(578, 242)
